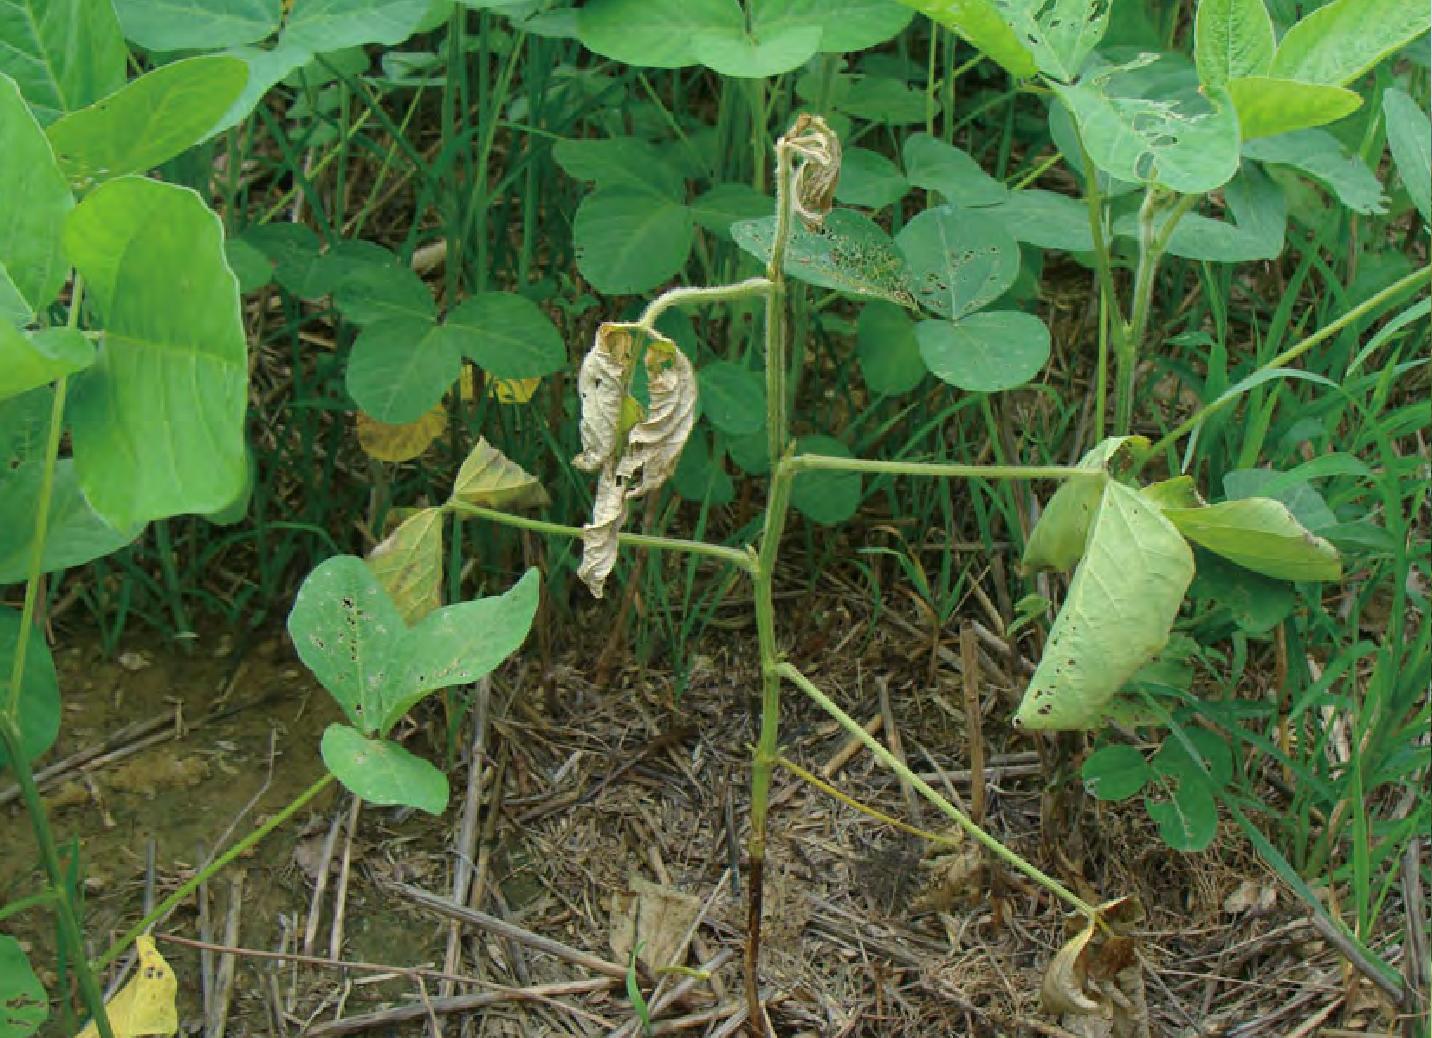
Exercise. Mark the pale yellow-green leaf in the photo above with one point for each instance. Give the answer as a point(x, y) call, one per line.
point(402, 442)
point(1057, 540)
point(409, 564)
point(1267, 106)
point(1260, 534)
point(1120, 607)
point(488, 478)
point(1178, 492)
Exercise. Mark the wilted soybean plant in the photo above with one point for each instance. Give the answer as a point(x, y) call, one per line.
point(634, 450)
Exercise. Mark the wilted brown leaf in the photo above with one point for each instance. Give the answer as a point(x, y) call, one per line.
point(654, 918)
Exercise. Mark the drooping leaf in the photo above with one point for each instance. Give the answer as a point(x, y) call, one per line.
point(826, 497)
point(348, 632)
point(1186, 142)
point(64, 54)
point(1343, 39)
point(409, 564)
point(169, 25)
point(330, 25)
point(981, 24)
point(489, 479)
point(1260, 534)
point(148, 121)
point(28, 361)
point(1058, 538)
point(1115, 772)
point(1409, 137)
point(158, 420)
point(1060, 34)
point(1232, 38)
point(23, 1003)
point(733, 397)
point(1322, 156)
point(985, 352)
point(38, 707)
point(145, 1005)
point(383, 772)
point(959, 260)
point(1178, 492)
point(602, 386)
point(937, 166)
point(629, 240)
point(400, 368)
point(654, 444)
point(507, 336)
point(1121, 604)
point(31, 252)
point(1267, 105)
point(888, 350)
point(850, 254)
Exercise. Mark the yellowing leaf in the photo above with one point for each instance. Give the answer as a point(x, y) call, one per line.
point(409, 564)
point(489, 479)
point(513, 390)
point(400, 442)
point(1260, 534)
point(1121, 604)
point(1057, 540)
point(145, 1005)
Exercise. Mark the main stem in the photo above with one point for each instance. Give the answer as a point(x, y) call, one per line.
point(762, 580)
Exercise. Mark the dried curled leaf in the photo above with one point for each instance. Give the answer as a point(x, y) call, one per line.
point(817, 147)
point(489, 479)
point(1094, 984)
point(635, 451)
point(145, 1005)
point(653, 446)
point(602, 387)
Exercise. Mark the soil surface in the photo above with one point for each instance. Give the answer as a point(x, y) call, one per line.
point(614, 814)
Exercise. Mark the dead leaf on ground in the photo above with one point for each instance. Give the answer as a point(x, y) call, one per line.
point(1095, 984)
point(655, 919)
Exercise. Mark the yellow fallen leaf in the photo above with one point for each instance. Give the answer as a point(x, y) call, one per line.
point(145, 1005)
point(513, 390)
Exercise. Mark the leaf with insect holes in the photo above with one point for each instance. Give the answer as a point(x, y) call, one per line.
point(383, 772)
point(347, 630)
point(1061, 34)
point(1121, 605)
point(145, 1005)
point(409, 564)
point(1058, 538)
point(959, 260)
point(1183, 140)
point(849, 254)
point(149, 120)
point(23, 1003)
point(1260, 534)
point(488, 478)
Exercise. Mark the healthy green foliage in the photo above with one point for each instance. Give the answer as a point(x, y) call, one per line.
point(64, 54)
point(382, 771)
point(170, 25)
point(1232, 38)
point(37, 710)
point(1409, 138)
point(31, 254)
point(158, 420)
